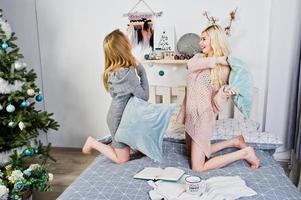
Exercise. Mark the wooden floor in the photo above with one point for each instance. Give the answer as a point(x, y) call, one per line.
point(70, 163)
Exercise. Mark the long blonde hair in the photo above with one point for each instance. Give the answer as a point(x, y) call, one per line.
point(117, 51)
point(218, 39)
point(220, 47)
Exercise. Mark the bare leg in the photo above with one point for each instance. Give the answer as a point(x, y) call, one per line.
point(238, 142)
point(117, 155)
point(188, 143)
point(199, 163)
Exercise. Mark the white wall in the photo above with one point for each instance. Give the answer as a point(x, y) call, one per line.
point(71, 34)
point(71, 38)
point(284, 51)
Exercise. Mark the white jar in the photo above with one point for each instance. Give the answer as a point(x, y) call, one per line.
point(194, 185)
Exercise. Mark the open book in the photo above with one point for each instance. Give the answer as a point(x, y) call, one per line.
point(156, 173)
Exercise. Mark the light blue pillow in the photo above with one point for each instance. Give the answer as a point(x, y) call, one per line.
point(143, 125)
point(241, 80)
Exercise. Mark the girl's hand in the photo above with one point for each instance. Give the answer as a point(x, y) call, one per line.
point(229, 91)
point(222, 60)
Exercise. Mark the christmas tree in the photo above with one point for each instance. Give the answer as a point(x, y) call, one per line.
point(20, 121)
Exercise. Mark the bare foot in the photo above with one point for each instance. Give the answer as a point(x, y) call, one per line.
point(88, 145)
point(251, 157)
point(239, 142)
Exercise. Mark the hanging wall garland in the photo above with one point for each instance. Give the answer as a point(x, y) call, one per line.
point(140, 30)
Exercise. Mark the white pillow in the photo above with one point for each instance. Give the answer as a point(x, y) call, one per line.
point(227, 128)
point(224, 129)
point(256, 139)
point(175, 130)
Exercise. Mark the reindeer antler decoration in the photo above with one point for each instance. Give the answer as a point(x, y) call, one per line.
point(232, 18)
point(213, 20)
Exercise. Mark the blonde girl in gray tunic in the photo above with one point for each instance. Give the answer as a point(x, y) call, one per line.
point(122, 78)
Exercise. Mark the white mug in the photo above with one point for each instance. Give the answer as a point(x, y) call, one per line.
point(194, 185)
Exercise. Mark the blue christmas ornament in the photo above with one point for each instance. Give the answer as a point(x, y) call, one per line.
point(4, 45)
point(24, 104)
point(10, 108)
point(161, 73)
point(36, 151)
point(39, 98)
point(28, 152)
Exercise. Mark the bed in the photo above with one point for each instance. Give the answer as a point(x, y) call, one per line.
point(105, 180)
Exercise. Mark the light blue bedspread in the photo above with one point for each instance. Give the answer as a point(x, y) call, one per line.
point(104, 180)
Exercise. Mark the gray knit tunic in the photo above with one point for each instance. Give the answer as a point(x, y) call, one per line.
point(123, 84)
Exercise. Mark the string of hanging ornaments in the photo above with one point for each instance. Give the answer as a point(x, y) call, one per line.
point(140, 29)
